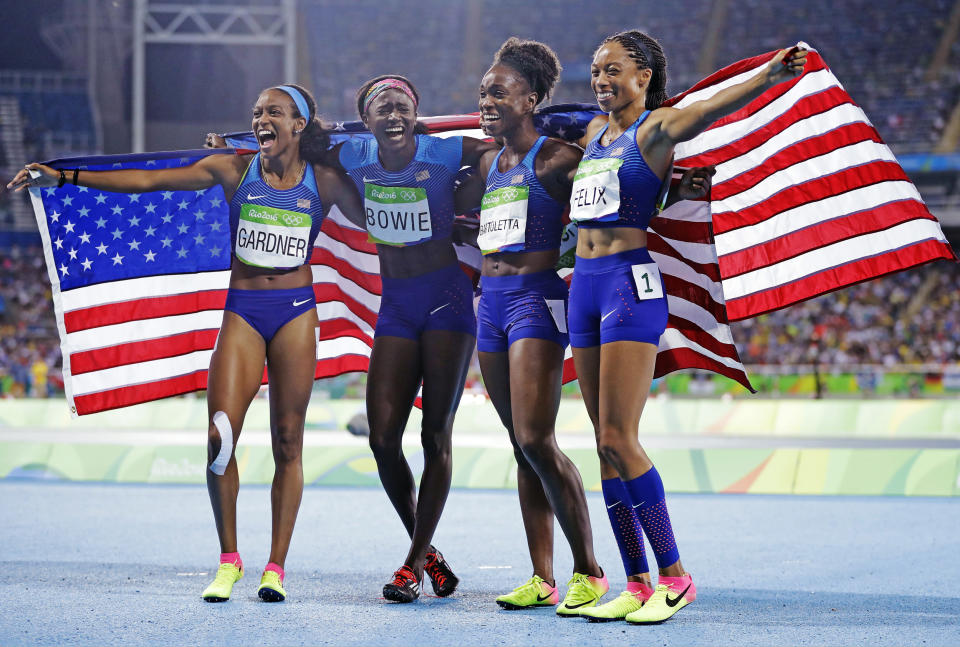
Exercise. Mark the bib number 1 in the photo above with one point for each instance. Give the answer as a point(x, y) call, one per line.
point(647, 279)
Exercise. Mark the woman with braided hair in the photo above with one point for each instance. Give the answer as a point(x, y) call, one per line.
point(618, 309)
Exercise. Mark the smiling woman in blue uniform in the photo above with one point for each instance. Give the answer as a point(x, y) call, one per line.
point(522, 322)
point(426, 327)
point(278, 198)
point(618, 308)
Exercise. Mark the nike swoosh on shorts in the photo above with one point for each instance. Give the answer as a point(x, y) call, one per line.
point(299, 303)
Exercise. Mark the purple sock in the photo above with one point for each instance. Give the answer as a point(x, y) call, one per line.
point(626, 526)
point(646, 493)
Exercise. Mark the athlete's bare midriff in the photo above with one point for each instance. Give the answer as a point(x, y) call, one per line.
point(414, 260)
point(594, 243)
point(515, 263)
point(248, 277)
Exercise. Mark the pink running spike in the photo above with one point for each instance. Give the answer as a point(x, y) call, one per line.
point(641, 590)
point(678, 584)
point(231, 558)
point(276, 568)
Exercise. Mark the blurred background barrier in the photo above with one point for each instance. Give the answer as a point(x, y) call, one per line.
point(861, 447)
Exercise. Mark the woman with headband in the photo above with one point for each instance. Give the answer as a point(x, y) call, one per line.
point(426, 327)
point(281, 193)
point(618, 309)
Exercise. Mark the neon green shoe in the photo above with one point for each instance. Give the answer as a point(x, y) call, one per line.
point(615, 609)
point(535, 592)
point(222, 586)
point(271, 588)
point(583, 592)
point(671, 595)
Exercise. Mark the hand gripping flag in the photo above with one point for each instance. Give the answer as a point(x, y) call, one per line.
point(807, 199)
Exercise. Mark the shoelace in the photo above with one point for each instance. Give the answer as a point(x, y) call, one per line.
point(533, 582)
point(271, 576)
point(225, 572)
point(579, 586)
point(402, 576)
point(433, 568)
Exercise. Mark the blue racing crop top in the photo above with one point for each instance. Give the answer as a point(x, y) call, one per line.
point(412, 205)
point(517, 214)
point(274, 228)
point(613, 186)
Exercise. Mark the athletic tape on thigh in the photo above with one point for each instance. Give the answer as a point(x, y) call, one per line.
point(222, 423)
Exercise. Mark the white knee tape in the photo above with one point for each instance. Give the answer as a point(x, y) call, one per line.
point(222, 423)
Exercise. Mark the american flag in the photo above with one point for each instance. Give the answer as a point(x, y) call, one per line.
point(139, 282)
point(807, 198)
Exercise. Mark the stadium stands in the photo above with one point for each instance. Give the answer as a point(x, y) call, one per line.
point(29, 347)
point(908, 318)
point(460, 38)
point(888, 82)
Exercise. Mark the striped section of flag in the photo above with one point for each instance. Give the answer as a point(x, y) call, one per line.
point(807, 198)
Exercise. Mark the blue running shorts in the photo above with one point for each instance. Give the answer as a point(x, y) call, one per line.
point(269, 310)
point(618, 297)
point(438, 300)
point(519, 307)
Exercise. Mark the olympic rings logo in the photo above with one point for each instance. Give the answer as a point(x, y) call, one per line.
point(292, 219)
point(408, 195)
point(509, 195)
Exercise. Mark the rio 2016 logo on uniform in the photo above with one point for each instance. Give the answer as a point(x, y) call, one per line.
point(292, 219)
point(509, 194)
point(408, 195)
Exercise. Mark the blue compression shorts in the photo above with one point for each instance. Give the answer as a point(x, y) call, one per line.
point(269, 310)
point(519, 307)
point(438, 300)
point(617, 298)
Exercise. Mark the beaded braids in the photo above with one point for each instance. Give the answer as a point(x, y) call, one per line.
point(648, 54)
point(420, 128)
point(314, 138)
point(536, 62)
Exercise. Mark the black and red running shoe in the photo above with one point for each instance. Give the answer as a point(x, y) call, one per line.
point(441, 576)
point(404, 587)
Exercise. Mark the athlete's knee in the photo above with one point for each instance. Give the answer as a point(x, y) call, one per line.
point(385, 446)
point(614, 446)
point(220, 442)
point(436, 443)
point(539, 447)
point(288, 439)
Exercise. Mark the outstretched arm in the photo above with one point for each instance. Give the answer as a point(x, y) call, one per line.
point(202, 174)
point(680, 125)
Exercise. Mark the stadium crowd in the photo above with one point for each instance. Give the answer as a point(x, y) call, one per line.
point(29, 347)
point(908, 318)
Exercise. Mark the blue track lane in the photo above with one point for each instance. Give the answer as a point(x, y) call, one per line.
point(92, 564)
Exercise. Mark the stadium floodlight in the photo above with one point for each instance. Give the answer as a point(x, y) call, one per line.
point(237, 23)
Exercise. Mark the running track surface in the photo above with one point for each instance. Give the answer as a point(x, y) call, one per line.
point(92, 564)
